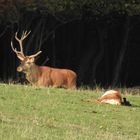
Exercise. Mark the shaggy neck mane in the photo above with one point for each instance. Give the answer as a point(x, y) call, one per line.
point(33, 73)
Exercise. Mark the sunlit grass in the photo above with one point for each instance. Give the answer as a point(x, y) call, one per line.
point(29, 113)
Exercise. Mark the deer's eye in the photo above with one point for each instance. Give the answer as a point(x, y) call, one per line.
point(28, 63)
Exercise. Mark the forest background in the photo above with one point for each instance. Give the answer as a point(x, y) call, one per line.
point(98, 39)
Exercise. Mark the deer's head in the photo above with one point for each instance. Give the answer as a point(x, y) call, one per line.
point(26, 61)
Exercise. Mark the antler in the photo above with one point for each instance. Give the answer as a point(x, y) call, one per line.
point(20, 40)
point(20, 53)
point(34, 55)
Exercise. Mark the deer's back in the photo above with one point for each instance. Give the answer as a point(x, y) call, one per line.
point(59, 77)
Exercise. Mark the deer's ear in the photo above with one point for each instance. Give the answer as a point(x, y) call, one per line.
point(32, 59)
point(20, 56)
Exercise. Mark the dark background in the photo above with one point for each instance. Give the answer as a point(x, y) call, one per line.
point(102, 51)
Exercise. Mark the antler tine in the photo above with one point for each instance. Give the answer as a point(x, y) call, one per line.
point(34, 55)
point(25, 34)
point(16, 36)
point(20, 40)
point(18, 53)
point(15, 50)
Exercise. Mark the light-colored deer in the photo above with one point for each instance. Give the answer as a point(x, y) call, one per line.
point(42, 76)
point(109, 97)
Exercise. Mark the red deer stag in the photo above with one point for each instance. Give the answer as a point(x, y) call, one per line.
point(42, 76)
point(110, 97)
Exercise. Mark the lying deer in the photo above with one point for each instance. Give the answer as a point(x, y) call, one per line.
point(42, 76)
point(110, 97)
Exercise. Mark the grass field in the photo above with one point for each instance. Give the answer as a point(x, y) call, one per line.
point(29, 113)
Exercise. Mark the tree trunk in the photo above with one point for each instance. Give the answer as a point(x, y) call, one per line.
point(118, 67)
point(97, 60)
point(84, 65)
point(53, 50)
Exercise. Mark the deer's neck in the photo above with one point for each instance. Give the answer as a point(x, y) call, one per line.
point(33, 74)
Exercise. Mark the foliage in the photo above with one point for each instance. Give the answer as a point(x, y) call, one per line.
point(8, 12)
point(67, 9)
point(97, 7)
point(32, 113)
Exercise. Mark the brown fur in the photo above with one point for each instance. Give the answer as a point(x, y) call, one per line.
point(107, 97)
point(43, 76)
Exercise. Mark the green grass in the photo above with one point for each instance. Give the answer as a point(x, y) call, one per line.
point(29, 113)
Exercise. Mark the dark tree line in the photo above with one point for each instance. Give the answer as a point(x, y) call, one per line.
point(98, 39)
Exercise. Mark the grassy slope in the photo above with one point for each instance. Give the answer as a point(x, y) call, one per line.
point(28, 113)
